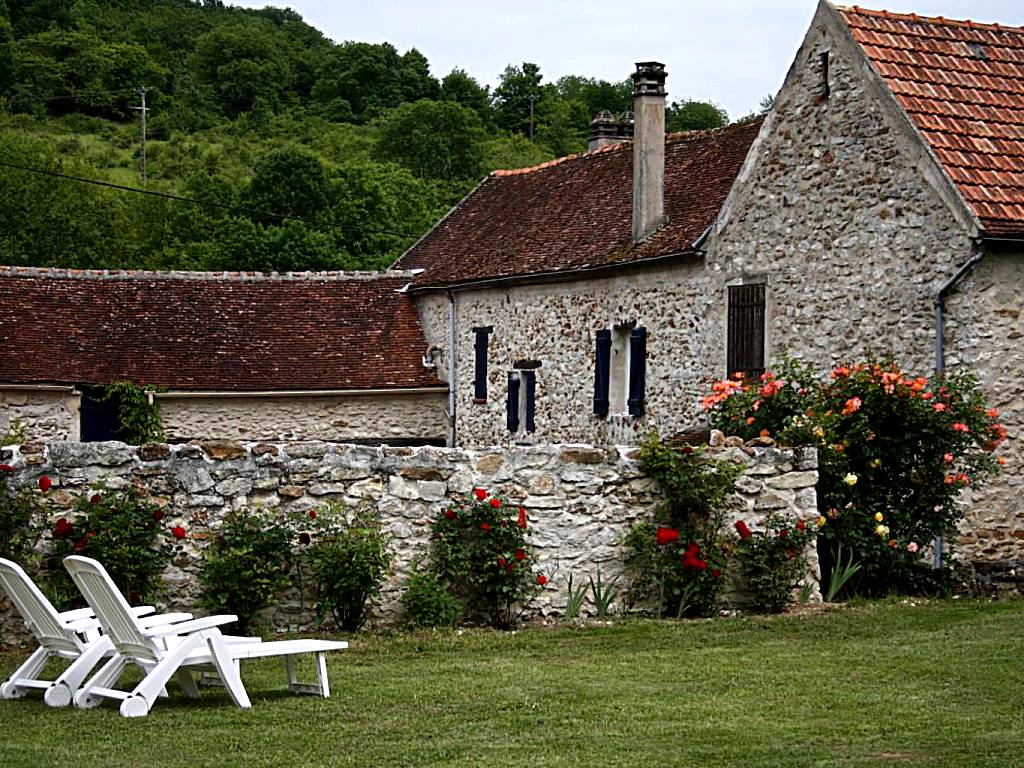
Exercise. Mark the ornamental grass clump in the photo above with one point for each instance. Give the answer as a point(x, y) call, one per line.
point(895, 450)
point(123, 529)
point(773, 559)
point(480, 552)
point(678, 561)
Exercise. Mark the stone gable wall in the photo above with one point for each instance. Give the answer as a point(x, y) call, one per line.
point(580, 499)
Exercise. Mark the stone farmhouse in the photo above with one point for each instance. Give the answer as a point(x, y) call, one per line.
point(876, 210)
point(296, 357)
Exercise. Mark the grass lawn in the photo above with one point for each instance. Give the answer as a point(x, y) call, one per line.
point(932, 684)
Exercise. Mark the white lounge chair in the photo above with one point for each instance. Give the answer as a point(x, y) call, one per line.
point(199, 647)
point(73, 635)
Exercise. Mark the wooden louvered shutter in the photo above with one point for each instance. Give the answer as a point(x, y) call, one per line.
point(531, 392)
point(602, 372)
point(480, 380)
point(745, 346)
point(637, 371)
point(512, 404)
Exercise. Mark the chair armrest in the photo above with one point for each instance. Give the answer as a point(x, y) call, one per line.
point(163, 618)
point(83, 624)
point(187, 627)
point(76, 614)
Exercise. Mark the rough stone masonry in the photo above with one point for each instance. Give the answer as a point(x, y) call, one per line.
point(580, 499)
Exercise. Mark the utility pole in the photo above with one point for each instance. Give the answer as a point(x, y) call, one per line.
point(532, 99)
point(142, 115)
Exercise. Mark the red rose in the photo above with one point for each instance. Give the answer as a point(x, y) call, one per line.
point(158, 515)
point(312, 514)
point(520, 554)
point(742, 529)
point(63, 529)
point(480, 494)
point(666, 536)
point(485, 526)
point(45, 483)
point(178, 532)
point(495, 503)
point(6, 468)
point(522, 518)
point(783, 533)
point(94, 499)
point(304, 538)
point(510, 567)
point(801, 525)
point(80, 544)
point(542, 579)
point(450, 514)
point(716, 573)
point(501, 562)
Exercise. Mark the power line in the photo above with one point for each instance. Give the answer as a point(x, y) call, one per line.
point(193, 201)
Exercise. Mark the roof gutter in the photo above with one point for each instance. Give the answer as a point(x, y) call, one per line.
point(561, 275)
point(221, 395)
point(69, 388)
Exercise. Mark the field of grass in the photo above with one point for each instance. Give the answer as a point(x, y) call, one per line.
point(896, 683)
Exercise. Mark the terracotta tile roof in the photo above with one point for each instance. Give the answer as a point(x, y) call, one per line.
point(201, 331)
point(962, 83)
point(576, 212)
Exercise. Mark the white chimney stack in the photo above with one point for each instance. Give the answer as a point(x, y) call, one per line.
point(648, 149)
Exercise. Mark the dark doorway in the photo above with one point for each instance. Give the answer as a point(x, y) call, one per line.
point(98, 416)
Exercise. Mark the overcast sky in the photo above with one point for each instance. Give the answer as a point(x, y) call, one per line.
point(731, 52)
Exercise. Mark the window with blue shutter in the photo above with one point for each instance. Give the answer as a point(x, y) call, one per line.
point(480, 373)
point(512, 403)
point(637, 371)
point(530, 382)
point(602, 372)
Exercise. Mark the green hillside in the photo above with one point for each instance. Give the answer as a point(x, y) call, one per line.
point(293, 152)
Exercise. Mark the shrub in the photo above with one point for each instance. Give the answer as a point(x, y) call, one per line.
point(139, 418)
point(894, 452)
point(21, 515)
point(348, 562)
point(428, 603)
point(679, 560)
point(247, 565)
point(122, 529)
point(480, 553)
point(773, 559)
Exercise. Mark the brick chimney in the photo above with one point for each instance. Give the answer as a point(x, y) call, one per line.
point(648, 149)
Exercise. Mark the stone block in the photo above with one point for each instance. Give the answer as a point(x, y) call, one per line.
point(749, 484)
point(793, 480)
point(402, 488)
point(234, 486)
point(310, 450)
point(772, 501)
point(291, 491)
point(542, 485)
point(154, 452)
point(205, 500)
point(264, 449)
point(107, 454)
point(194, 477)
point(424, 473)
point(431, 490)
point(582, 455)
point(489, 463)
point(327, 489)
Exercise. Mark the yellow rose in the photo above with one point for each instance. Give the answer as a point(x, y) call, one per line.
point(882, 530)
point(878, 517)
point(850, 479)
point(821, 521)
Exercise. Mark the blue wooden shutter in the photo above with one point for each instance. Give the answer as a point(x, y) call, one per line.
point(602, 372)
point(531, 392)
point(480, 382)
point(512, 404)
point(637, 371)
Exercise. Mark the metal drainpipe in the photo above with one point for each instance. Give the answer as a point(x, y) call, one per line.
point(977, 254)
point(452, 378)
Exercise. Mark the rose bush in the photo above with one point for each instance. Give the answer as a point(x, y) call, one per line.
point(894, 452)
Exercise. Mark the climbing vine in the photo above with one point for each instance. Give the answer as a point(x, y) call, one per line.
point(139, 418)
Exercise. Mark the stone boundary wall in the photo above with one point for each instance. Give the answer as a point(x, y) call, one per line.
point(580, 499)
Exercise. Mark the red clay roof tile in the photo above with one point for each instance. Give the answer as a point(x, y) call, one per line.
point(962, 83)
point(200, 331)
point(576, 212)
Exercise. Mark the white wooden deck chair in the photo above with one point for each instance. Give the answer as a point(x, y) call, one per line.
point(199, 647)
point(73, 635)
